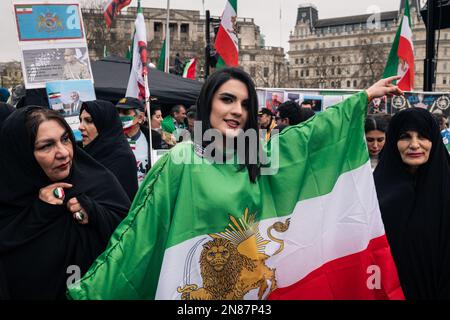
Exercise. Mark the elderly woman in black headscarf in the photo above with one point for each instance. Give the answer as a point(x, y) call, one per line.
point(58, 206)
point(413, 186)
point(104, 140)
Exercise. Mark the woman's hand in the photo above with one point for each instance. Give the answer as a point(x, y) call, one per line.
point(384, 87)
point(78, 213)
point(47, 193)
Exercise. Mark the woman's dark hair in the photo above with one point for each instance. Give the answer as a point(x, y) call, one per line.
point(204, 105)
point(378, 122)
point(36, 116)
point(153, 110)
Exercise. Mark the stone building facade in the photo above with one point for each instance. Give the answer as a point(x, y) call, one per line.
point(351, 52)
point(10, 74)
point(187, 30)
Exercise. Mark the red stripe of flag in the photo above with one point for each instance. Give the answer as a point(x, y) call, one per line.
point(223, 45)
point(346, 278)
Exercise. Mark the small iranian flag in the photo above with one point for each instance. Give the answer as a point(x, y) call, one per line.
point(227, 45)
point(111, 8)
point(189, 69)
point(24, 9)
point(137, 84)
point(54, 95)
point(401, 57)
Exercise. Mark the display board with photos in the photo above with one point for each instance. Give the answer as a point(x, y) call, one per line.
point(52, 41)
point(320, 100)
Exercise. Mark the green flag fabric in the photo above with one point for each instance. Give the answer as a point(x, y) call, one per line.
point(194, 223)
point(162, 57)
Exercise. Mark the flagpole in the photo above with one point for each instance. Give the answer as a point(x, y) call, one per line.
point(167, 57)
point(147, 109)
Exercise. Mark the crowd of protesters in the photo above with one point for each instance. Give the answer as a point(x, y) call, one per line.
point(52, 187)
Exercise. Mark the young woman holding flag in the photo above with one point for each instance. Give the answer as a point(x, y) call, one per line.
point(215, 220)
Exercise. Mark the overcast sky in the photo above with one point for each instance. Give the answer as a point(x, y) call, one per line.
point(265, 12)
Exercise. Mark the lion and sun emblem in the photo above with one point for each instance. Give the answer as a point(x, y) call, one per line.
point(233, 262)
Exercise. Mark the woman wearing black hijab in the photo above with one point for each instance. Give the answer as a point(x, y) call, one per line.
point(413, 186)
point(104, 140)
point(47, 237)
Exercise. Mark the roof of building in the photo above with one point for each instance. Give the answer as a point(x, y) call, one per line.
point(333, 22)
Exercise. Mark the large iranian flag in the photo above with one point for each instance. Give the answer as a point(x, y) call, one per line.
point(137, 84)
point(226, 44)
point(311, 229)
point(401, 57)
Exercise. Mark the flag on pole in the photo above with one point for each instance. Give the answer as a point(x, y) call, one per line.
point(162, 57)
point(401, 57)
point(112, 8)
point(137, 86)
point(227, 44)
point(189, 69)
point(312, 230)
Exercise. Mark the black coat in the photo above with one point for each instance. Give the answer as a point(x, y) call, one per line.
point(40, 242)
point(111, 147)
point(416, 208)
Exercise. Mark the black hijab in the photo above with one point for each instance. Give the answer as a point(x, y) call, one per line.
point(5, 111)
point(416, 208)
point(111, 147)
point(39, 241)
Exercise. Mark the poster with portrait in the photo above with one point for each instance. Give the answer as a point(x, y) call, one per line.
point(52, 41)
point(48, 21)
point(66, 97)
point(273, 100)
point(55, 63)
point(293, 96)
point(315, 101)
point(378, 105)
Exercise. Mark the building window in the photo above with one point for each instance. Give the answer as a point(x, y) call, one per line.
point(252, 57)
point(317, 72)
point(296, 73)
point(444, 81)
point(339, 71)
point(302, 61)
point(157, 26)
point(172, 28)
point(266, 72)
point(332, 84)
point(302, 74)
point(296, 61)
point(332, 59)
point(184, 28)
point(253, 71)
point(355, 84)
point(307, 72)
point(348, 83)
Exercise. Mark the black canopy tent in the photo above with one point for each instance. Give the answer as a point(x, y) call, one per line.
point(111, 79)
